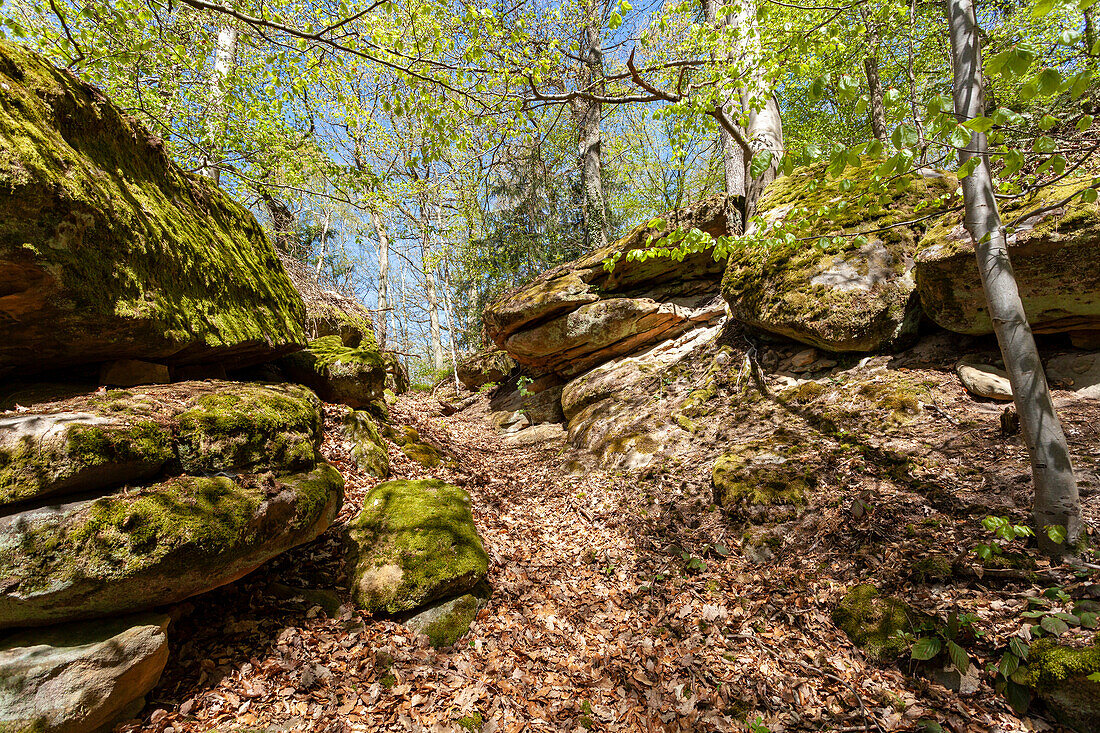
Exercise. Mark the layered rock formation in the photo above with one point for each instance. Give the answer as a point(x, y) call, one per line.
point(108, 250)
point(354, 376)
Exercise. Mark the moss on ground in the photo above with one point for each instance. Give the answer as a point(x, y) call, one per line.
point(872, 621)
point(423, 454)
point(1060, 676)
point(414, 542)
point(932, 569)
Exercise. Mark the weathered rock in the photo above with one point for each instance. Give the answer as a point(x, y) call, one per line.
point(1085, 339)
point(86, 442)
point(1059, 675)
point(368, 450)
point(355, 376)
point(397, 377)
point(485, 367)
point(1077, 372)
point(446, 622)
point(512, 410)
point(132, 372)
point(423, 453)
point(154, 545)
point(841, 293)
point(984, 380)
point(414, 542)
point(1054, 256)
point(79, 678)
point(549, 434)
point(872, 622)
point(581, 314)
point(109, 250)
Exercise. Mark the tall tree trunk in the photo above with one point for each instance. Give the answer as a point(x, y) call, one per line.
point(448, 309)
point(282, 223)
point(765, 126)
point(383, 276)
point(733, 157)
point(918, 123)
point(225, 62)
point(1056, 499)
point(588, 115)
point(435, 337)
point(876, 109)
point(321, 252)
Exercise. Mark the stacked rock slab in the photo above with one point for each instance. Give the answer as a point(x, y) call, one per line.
point(582, 314)
point(115, 502)
point(351, 375)
point(109, 250)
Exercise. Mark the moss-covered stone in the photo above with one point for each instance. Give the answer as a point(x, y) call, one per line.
point(484, 367)
point(155, 545)
point(872, 622)
point(1059, 675)
point(424, 454)
point(397, 377)
point(840, 293)
point(446, 622)
point(354, 376)
point(110, 251)
point(932, 569)
point(414, 542)
point(368, 450)
point(771, 478)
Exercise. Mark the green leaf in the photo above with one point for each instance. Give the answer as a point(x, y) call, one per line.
point(1009, 663)
point(1088, 195)
point(979, 124)
point(958, 657)
point(904, 136)
point(1056, 533)
point(1042, 8)
point(1084, 123)
point(1018, 696)
point(1019, 647)
point(960, 137)
point(926, 647)
point(1054, 625)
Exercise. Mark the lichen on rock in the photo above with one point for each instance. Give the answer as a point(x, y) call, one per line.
point(368, 449)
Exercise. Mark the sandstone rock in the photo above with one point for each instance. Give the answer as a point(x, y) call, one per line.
point(154, 545)
point(545, 434)
point(511, 411)
point(368, 450)
point(768, 480)
point(446, 622)
point(484, 367)
point(414, 542)
point(1077, 372)
point(397, 377)
point(355, 376)
point(1059, 675)
point(109, 250)
point(1054, 256)
point(581, 314)
point(984, 380)
point(80, 677)
point(85, 442)
point(132, 372)
point(1085, 339)
point(839, 293)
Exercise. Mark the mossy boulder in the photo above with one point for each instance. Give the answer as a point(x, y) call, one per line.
point(872, 621)
point(485, 367)
point(368, 449)
point(446, 622)
point(91, 441)
point(81, 677)
point(155, 545)
point(1054, 256)
point(354, 376)
point(815, 278)
point(109, 250)
point(414, 542)
point(1059, 675)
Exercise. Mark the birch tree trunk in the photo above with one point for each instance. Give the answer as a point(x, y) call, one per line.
point(448, 309)
point(383, 277)
point(588, 115)
point(225, 62)
point(876, 109)
point(435, 338)
point(1056, 501)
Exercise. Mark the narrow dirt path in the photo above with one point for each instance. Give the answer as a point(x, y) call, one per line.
point(599, 620)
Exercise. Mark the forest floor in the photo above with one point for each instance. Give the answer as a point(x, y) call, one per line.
point(600, 619)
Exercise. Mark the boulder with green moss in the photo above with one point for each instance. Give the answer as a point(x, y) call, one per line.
point(1059, 675)
point(354, 376)
point(397, 376)
point(145, 547)
point(1054, 256)
point(90, 441)
point(410, 443)
point(584, 313)
point(414, 542)
point(872, 621)
point(109, 250)
point(368, 449)
point(80, 677)
point(447, 621)
point(832, 266)
point(485, 367)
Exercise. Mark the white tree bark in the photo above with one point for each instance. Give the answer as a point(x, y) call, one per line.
point(225, 63)
point(383, 277)
point(765, 126)
point(1056, 500)
point(733, 157)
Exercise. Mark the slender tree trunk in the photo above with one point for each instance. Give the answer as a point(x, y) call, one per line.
point(435, 337)
point(588, 115)
point(448, 309)
point(1056, 499)
point(282, 224)
point(876, 109)
point(383, 276)
point(321, 251)
point(225, 62)
point(1089, 32)
point(765, 126)
point(733, 157)
point(918, 123)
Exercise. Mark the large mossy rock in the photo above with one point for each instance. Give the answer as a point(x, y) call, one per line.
point(82, 677)
point(825, 285)
point(86, 442)
point(414, 542)
point(368, 449)
point(354, 376)
point(485, 367)
point(1054, 255)
point(108, 250)
point(1059, 675)
point(872, 621)
point(582, 313)
point(445, 622)
point(155, 545)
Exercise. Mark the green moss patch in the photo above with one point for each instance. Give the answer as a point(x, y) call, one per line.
point(424, 454)
point(354, 376)
point(368, 450)
point(414, 542)
point(447, 622)
point(872, 621)
point(1060, 676)
point(768, 479)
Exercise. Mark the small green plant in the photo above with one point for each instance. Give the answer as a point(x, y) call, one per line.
point(756, 726)
point(487, 387)
point(522, 384)
point(1004, 532)
point(692, 564)
point(930, 639)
